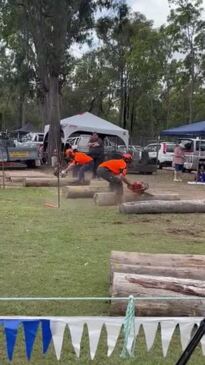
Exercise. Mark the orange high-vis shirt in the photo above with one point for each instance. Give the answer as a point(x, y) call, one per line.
point(116, 166)
point(81, 158)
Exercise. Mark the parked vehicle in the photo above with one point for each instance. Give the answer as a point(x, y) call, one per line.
point(141, 162)
point(162, 153)
point(194, 152)
point(130, 149)
point(11, 155)
point(36, 138)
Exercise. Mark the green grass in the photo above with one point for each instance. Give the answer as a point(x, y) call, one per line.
point(65, 252)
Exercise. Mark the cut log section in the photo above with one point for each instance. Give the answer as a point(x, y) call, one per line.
point(179, 272)
point(158, 286)
point(146, 259)
point(50, 182)
point(156, 207)
point(178, 266)
point(74, 192)
point(109, 199)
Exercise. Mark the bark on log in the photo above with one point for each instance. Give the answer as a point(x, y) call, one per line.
point(74, 192)
point(156, 207)
point(109, 199)
point(144, 285)
point(170, 260)
point(48, 182)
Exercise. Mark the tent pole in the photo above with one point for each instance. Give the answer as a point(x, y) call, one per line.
point(158, 148)
point(199, 155)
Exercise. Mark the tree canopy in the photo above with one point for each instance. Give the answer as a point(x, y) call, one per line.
point(135, 75)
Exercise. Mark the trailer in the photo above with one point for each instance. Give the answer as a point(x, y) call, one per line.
point(12, 155)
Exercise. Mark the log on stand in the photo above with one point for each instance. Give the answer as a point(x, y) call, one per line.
point(74, 192)
point(49, 182)
point(156, 207)
point(175, 272)
point(148, 286)
point(147, 259)
point(109, 199)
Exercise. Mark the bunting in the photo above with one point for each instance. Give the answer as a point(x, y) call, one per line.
point(53, 330)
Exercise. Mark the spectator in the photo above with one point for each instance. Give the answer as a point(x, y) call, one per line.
point(200, 176)
point(96, 151)
point(178, 161)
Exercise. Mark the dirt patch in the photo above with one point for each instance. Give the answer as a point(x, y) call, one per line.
point(184, 232)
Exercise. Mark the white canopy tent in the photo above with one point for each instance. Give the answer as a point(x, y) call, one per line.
point(89, 123)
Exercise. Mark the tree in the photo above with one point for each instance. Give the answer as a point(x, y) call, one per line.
point(52, 27)
point(188, 32)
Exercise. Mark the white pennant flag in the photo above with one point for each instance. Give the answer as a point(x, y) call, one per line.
point(94, 332)
point(113, 330)
point(57, 330)
point(185, 333)
point(150, 330)
point(203, 345)
point(76, 332)
point(167, 330)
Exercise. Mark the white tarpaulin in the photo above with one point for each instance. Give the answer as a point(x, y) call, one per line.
point(89, 123)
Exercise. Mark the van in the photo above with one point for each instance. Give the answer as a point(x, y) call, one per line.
point(161, 152)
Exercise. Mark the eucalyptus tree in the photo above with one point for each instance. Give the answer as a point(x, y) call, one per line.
point(52, 26)
point(187, 29)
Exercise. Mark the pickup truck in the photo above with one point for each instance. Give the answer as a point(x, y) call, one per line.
point(194, 152)
point(17, 156)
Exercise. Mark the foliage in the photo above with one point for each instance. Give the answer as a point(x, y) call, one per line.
point(142, 78)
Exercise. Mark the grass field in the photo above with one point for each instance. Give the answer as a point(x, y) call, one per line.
point(65, 252)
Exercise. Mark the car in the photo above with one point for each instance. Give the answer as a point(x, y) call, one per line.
point(161, 153)
point(141, 162)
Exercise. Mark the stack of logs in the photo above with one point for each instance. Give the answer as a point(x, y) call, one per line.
point(158, 275)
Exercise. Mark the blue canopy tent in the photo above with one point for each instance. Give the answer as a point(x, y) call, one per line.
point(187, 130)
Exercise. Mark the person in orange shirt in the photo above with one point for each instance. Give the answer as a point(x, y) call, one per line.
point(114, 171)
point(80, 160)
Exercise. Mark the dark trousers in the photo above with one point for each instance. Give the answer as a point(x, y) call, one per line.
point(83, 169)
point(116, 184)
point(97, 161)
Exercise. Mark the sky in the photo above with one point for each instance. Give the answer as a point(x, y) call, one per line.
point(157, 10)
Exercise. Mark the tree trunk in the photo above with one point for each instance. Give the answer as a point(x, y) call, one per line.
point(54, 136)
point(21, 110)
point(158, 286)
point(156, 207)
point(109, 199)
point(170, 260)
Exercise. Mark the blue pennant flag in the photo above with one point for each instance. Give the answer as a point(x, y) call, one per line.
point(11, 330)
point(46, 334)
point(30, 332)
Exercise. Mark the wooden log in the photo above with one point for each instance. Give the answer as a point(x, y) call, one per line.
point(73, 192)
point(109, 199)
point(148, 286)
point(146, 259)
point(49, 182)
point(23, 177)
point(96, 182)
point(195, 273)
point(156, 207)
